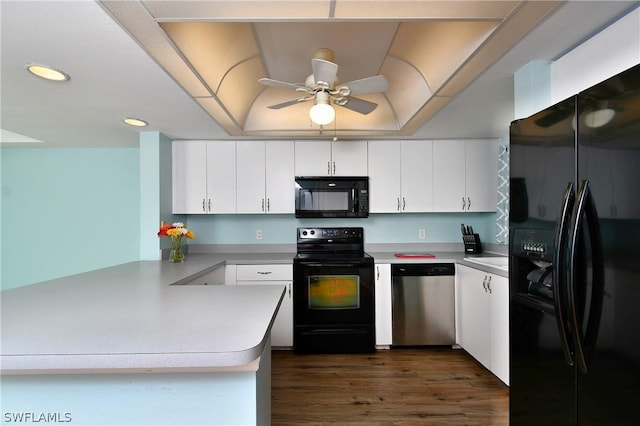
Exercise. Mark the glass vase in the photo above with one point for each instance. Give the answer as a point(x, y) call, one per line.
point(176, 255)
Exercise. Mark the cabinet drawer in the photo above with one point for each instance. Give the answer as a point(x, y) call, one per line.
point(264, 272)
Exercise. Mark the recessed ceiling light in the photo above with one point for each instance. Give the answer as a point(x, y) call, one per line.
point(135, 122)
point(47, 73)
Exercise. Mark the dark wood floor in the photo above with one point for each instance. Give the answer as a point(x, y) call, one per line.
point(388, 387)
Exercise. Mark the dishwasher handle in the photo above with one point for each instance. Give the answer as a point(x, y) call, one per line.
point(422, 269)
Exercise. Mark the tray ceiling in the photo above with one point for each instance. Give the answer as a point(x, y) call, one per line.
point(428, 51)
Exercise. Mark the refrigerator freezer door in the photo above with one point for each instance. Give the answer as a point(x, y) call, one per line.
point(609, 158)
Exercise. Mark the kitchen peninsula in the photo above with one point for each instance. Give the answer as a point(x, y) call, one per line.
point(130, 345)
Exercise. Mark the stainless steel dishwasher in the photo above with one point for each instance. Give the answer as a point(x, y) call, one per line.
point(423, 307)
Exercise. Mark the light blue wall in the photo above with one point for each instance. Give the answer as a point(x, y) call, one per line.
point(155, 193)
point(66, 211)
point(379, 228)
point(532, 88)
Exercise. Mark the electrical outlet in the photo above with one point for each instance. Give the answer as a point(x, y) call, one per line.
point(259, 234)
point(422, 233)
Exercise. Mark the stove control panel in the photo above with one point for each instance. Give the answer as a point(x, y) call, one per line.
point(330, 233)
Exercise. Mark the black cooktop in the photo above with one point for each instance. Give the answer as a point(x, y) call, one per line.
point(344, 243)
point(333, 256)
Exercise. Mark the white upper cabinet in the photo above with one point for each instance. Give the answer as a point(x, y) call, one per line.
point(417, 176)
point(265, 177)
point(384, 177)
point(349, 158)
point(203, 177)
point(221, 182)
point(400, 176)
point(465, 175)
point(327, 158)
point(251, 167)
point(280, 177)
point(189, 174)
point(481, 175)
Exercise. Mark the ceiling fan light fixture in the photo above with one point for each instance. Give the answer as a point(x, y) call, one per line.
point(322, 113)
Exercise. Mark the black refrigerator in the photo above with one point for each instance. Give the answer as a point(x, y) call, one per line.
point(574, 247)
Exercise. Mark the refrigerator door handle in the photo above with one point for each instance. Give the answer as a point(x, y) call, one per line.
point(585, 342)
point(560, 283)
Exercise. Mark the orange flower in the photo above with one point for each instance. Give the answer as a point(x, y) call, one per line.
point(164, 227)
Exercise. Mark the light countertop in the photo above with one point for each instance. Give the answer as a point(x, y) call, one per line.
point(128, 317)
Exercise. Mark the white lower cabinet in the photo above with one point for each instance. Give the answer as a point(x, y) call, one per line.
point(483, 318)
point(282, 330)
point(383, 304)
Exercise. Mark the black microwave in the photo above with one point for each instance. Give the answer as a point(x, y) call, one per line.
point(338, 196)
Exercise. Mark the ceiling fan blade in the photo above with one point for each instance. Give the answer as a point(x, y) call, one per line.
point(277, 83)
point(360, 105)
point(289, 103)
point(324, 71)
point(373, 84)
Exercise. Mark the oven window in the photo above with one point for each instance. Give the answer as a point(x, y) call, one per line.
point(334, 292)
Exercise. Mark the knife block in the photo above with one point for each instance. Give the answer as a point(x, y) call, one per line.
point(472, 244)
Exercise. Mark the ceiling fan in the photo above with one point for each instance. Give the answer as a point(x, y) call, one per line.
point(323, 87)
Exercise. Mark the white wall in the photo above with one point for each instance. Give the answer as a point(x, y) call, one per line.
point(606, 54)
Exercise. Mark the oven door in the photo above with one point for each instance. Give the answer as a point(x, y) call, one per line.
point(335, 292)
point(333, 306)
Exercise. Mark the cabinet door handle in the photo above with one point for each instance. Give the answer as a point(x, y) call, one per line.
point(262, 205)
point(289, 290)
point(484, 283)
point(268, 205)
point(398, 199)
point(377, 273)
point(464, 204)
point(489, 284)
point(468, 203)
point(334, 167)
point(404, 204)
point(264, 272)
point(328, 168)
point(209, 204)
point(203, 209)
